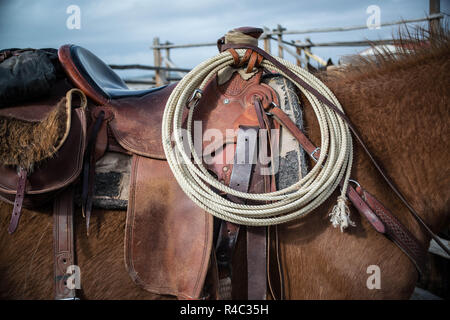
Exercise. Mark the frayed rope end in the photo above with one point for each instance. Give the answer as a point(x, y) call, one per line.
point(340, 215)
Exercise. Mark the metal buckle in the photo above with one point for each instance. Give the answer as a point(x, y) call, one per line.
point(312, 154)
point(355, 182)
point(197, 94)
point(274, 105)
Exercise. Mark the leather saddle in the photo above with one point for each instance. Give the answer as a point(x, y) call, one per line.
point(168, 239)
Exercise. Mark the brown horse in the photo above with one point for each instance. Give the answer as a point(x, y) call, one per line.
point(399, 104)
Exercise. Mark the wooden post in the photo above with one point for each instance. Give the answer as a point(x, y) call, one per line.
point(267, 44)
point(435, 7)
point(167, 60)
point(280, 30)
point(157, 61)
point(308, 49)
point(299, 52)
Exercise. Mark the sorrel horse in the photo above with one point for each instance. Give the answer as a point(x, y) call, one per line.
point(399, 104)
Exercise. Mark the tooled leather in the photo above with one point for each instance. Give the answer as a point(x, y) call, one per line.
point(396, 231)
point(64, 255)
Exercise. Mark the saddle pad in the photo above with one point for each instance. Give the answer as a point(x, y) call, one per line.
point(168, 238)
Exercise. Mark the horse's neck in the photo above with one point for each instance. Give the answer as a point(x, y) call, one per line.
point(403, 117)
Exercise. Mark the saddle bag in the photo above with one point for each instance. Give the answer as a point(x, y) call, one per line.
point(41, 150)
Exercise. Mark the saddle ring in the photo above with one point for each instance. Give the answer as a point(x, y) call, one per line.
point(197, 94)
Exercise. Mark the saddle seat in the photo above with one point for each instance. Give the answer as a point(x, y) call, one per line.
point(100, 76)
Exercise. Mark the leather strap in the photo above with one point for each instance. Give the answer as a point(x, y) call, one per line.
point(247, 143)
point(256, 263)
point(244, 159)
point(365, 209)
point(396, 231)
point(18, 201)
point(328, 103)
point(89, 169)
point(246, 148)
point(63, 242)
point(226, 243)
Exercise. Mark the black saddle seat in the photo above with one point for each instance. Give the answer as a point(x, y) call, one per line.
point(101, 76)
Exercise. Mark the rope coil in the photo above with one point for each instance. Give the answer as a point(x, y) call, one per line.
point(295, 201)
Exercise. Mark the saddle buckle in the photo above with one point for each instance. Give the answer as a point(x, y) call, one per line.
point(313, 153)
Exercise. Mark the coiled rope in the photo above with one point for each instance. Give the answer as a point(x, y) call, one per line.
point(295, 201)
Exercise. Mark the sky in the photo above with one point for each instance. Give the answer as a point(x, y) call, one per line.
point(120, 32)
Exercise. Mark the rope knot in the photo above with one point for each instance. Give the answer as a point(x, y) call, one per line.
point(340, 215)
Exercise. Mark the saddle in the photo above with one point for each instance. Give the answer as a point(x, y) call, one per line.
point(169, 240)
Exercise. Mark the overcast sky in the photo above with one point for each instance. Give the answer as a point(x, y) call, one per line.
point(120, 32)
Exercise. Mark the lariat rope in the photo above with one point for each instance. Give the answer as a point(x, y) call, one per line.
point(295, 201)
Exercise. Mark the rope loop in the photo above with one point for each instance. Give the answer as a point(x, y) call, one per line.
point(333, 165)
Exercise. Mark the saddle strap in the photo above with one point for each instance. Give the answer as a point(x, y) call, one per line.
point(226, 244)
point(328, 103)
point(64, 255)
point(246, 148)
point(247, 143)
point(18, 201)
point(256, 263)
point(89, 169)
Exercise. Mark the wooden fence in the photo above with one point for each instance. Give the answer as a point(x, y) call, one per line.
point(164, 68)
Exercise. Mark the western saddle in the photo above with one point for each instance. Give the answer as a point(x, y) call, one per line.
point(117, 119)
point(168, 239)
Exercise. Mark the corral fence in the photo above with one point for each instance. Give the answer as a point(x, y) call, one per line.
point(166, 71)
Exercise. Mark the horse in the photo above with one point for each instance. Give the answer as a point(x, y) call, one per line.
point(399, 105)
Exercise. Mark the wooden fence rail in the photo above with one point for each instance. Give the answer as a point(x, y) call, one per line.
point(301, 50)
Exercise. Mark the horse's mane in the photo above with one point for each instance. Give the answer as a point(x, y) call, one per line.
point(415, 45)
